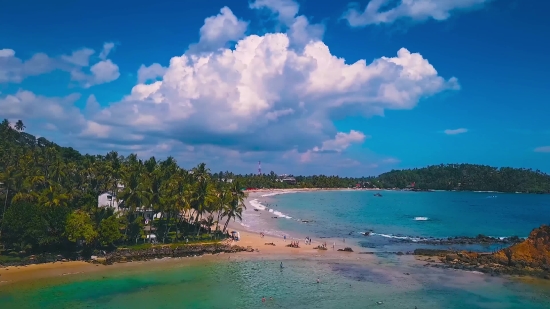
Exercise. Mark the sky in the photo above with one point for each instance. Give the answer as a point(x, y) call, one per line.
point(306, 87)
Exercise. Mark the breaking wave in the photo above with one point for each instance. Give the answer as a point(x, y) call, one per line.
point(256, 204)
point(421, 219)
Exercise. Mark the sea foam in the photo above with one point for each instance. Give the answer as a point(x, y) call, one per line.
point(277, 193)
point(256, 204)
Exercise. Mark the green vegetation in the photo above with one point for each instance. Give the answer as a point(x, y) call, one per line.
point(49, 194)
point(468, 177)
point(49, 199)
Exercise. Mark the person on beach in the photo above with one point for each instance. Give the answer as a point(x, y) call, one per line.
point(333, 245)
point(284, 237)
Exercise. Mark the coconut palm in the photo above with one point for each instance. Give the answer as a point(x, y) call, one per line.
point(19, 126)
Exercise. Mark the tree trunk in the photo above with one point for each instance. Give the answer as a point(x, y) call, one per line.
point(177, 228)
point(226, 223)
point(218, 222)
point(166, 228)
point(5, 207)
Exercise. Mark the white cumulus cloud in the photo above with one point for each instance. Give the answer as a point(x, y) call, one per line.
point(14, 69)
point(218, 30)
point(341, 141)
point(389, 11)
point(151, 72)
point(273, 96)
point(298, 28)
point(455, 131)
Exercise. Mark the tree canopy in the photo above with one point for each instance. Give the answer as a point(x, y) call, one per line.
point(49, 194)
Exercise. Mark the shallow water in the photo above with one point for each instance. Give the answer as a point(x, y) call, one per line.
point(396, 281)
point(242, 284)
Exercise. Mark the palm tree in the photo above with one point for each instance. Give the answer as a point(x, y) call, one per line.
point(19, 126)
point(236, 205)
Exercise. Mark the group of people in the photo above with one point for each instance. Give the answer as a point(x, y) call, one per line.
point(294, 244)
point(263, 299)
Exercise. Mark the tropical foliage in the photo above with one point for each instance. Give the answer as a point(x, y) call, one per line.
point(49, 197)
point(49, 194)
point(468, 177)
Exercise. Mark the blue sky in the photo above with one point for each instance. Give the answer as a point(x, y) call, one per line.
point(234, 82)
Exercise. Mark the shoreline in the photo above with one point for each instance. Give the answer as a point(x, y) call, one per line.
point(11, 275)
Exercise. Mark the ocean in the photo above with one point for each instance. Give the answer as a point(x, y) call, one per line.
point(398, 219)
point(386, 281)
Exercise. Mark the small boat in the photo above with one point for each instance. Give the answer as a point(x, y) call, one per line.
point(378, 194)
point(366, 233)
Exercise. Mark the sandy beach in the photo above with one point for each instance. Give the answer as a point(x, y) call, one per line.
point(15, 274)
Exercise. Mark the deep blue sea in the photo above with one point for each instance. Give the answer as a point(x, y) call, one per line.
point(399, 216)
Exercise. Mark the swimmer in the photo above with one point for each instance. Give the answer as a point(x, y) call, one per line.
point(263, 299)
point(281, 264)
point(318, 281)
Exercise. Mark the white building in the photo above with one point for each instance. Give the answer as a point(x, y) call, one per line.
point(108, 199)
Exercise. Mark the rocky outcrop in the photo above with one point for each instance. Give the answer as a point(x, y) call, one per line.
point(129, 255)
point(529, 257)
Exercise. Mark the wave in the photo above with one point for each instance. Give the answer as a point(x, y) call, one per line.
point(432, 239)
point(256, 204)
point(409, 238)
point(277, 193)
point(421, 219)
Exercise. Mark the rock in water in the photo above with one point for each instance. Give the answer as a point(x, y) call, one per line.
point(529, 257)
point(533, 252)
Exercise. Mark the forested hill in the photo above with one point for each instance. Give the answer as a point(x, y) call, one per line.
point(468, 177)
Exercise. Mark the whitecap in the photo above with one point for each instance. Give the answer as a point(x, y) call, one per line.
point(421, 219)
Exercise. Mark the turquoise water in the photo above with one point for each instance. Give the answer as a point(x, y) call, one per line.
point(242, 284)
point(396, 281)
point(398, 214)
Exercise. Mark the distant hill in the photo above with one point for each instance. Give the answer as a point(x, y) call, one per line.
point(468, 177)
point(464, 177)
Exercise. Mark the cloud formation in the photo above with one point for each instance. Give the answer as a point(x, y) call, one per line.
point(455, 131)
point(389, 11)
point(152, 72)
point(272, 97)
point(299, 30)
point(15, 70)
point(543, 149)
point(218, 30)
